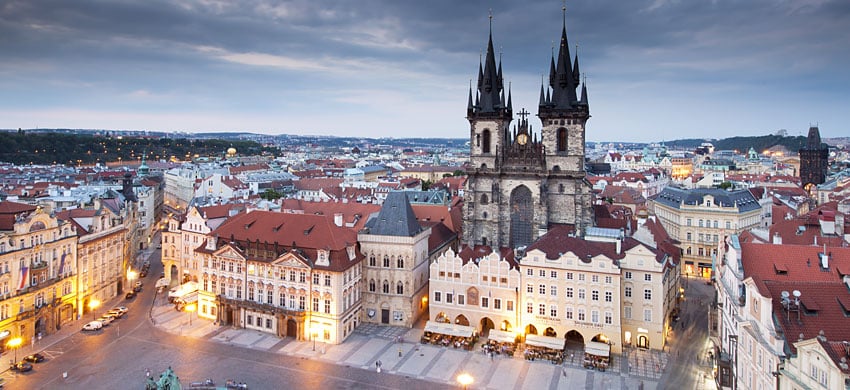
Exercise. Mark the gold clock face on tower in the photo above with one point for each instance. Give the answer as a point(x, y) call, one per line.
point(522, 139)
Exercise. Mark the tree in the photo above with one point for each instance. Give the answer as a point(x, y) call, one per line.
point(426, 184)
point(271, 194)
point(725, 185)
point(459, 172)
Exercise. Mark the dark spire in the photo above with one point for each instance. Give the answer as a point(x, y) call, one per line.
point(490, 96)
point(563, 84)
point(542, 96)
point(510, 104)
point(583, 100)
point(576, 73)
point(469, 102)
point(813, 142)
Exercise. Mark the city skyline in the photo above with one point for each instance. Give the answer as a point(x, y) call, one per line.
point(655, 70)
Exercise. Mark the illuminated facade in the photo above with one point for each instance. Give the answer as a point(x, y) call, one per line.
point(38, 255)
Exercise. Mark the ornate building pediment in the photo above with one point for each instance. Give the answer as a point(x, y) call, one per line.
point(229, 252)
point(291, 260)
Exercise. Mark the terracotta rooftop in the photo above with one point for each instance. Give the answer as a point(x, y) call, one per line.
point(778, 268)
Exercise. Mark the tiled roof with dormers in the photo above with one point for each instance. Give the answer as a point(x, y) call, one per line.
point(777, 268)
point(306, 234)
point(560, 240)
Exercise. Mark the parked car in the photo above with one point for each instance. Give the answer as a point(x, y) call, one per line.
point(106, 319)
point(130, 295)
point(34, 358)
point(115, 313)
point(21, 366)
point(94, 325)
point(122, 309)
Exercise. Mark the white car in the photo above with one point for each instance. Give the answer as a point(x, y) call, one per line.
point(106, 319)
point(122, 309)
point(94, 325)
point(115, 313)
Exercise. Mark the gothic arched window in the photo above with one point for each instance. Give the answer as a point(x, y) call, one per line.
point(386, 287)
point(372, 285)
point(485, 142)
point(484, 199)
point(399, 288)
point(522, 217)
point(562, 140)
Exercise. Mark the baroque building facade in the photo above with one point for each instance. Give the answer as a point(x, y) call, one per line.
point(37, 258)
point(292, 275)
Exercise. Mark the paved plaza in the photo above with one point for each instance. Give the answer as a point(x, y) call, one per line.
point(372, 343)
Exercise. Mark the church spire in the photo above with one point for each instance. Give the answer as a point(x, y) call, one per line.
point(491, 97)
point(563, 80)
point(583, 100)
point(576, 73)
point(469, 106)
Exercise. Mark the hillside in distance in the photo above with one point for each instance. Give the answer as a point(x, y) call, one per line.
point(742, 144)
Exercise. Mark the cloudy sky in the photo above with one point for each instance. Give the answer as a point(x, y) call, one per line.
point(656, 69)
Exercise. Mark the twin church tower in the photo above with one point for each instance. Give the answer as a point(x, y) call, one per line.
point(521, 182)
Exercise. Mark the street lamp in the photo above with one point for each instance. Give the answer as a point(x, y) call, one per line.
point(14, 344)
point(131, 276)
point(93, 304)
point(190, 308)
point(314, 332)
point(465, 380)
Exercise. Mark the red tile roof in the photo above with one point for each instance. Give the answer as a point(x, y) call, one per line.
point(778, 268)
point(307, 233)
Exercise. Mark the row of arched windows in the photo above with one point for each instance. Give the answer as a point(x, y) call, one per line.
point(387, 261)
point(385, 287)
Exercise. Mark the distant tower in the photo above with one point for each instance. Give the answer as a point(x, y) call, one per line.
point(814, 159)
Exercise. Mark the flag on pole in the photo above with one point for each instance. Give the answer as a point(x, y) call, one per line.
point(23, 278)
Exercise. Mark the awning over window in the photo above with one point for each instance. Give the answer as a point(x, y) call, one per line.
point(597, 349)
point(502, 336)
point(545, 342)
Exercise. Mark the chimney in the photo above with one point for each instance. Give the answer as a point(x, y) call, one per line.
point(338, 219)
point(619, 244)
point(777, 239)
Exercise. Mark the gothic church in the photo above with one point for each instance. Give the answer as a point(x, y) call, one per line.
point(521, 182)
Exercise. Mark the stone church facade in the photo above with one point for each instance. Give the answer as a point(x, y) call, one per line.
point(521, 181)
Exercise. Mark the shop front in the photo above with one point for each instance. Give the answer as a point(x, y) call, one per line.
point(445, 334)
point(544, 347)
point(597, 355)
